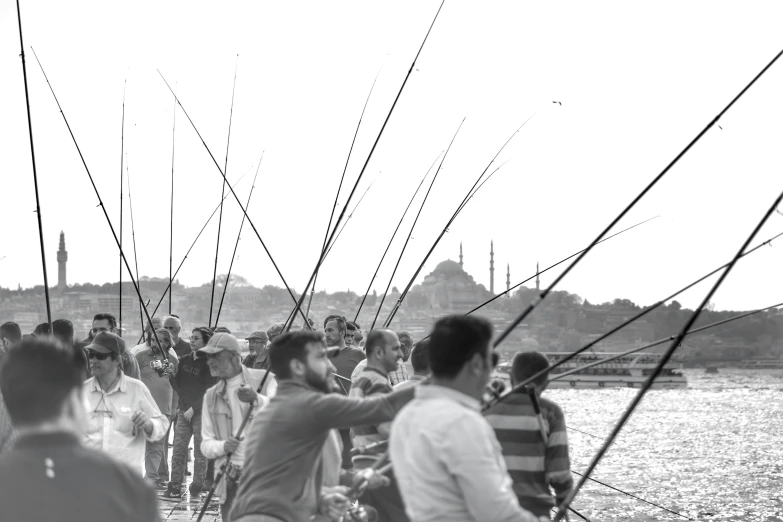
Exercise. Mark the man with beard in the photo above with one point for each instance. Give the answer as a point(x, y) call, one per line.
point(256, 343)
point(225, 406)
point(50, 475)
point(287, 438)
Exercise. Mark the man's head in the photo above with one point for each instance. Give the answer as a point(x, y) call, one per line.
point(103, 322)
point(383, 350)
point(334, 331)
point(63, 331)
point(10, 335)
point(302, 356)
point(460, 353)
point(41, 385)
point(173, 325)
point(224, 357)
point(199, 337)
point(157, 323)
point(420, 357)
point(406, 341)
point(350, 332)
point(222, 329)
point(42, 330)
point(358, 337)
point(105, 352)
point(257, 342)
point(527, 364)
point(166, 341)
point(275, 330)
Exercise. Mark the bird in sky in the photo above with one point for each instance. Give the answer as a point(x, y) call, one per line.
point(557, 102)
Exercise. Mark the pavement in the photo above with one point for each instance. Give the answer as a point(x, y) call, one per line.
point(188, 509)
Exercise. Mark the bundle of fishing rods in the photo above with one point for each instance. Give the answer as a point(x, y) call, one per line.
point(334, 229)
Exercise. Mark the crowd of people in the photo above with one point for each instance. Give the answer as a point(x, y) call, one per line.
point(314, 424)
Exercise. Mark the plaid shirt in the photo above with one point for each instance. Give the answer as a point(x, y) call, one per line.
point(399, 375)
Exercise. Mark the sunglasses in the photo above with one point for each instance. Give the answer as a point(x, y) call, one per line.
point(98, 355)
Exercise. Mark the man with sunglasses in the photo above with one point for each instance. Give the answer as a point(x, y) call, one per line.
point(447, 460)
point(106, 322)
point(225, 406)
point(122, 414)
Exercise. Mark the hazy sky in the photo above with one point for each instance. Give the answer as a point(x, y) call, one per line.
point(637, 83)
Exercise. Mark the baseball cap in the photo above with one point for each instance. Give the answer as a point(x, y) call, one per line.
point(275, 329)
point(107, 342)
point(221, 342)
point(258, 334)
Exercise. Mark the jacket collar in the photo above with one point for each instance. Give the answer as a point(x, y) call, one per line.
point(121, 385)
point(433, 391)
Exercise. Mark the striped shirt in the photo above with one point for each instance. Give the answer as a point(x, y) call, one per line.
point(535, 465)
point(371, 381)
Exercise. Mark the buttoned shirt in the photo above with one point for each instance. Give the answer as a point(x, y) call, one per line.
point(396, 377)
point(110, 426)
point(448, 462)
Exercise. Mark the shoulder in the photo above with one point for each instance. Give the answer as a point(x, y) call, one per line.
point(551, 406)
point(111, 472)
point(357, 354)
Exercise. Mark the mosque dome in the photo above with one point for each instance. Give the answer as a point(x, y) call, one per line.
point(448, 267)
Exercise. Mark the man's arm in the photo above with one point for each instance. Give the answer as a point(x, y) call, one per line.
point(338, 411)
point(558, 463)
point(160, 424)
point(211, 447)
point(475, 463)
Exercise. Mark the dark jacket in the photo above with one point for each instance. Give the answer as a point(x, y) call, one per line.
point(192, 381)
point(52, 476)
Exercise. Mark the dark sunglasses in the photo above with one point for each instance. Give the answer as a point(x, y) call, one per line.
point(98, 355)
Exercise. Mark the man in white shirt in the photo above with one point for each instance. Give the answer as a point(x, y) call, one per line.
point(447, 460)
point(122, 413)
point(225, 406)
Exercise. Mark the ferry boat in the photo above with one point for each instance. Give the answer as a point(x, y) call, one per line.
point(629, 371)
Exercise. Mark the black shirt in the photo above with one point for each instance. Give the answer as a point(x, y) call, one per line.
point(192, 381)
point(51, 476)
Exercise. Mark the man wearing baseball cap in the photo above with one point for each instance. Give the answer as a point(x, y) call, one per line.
point(226, 404)
point(275, 330)
point(257, 342)
point(122, 413)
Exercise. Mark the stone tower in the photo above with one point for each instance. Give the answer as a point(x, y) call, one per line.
point(460, 254)
point(62, 258)
point(508, 280)
point(492, 266)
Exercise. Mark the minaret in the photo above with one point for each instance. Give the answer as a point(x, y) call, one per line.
point(62, 258)
point(492, 266)
point(508, 280)
point(538, 281)
point(460, 254)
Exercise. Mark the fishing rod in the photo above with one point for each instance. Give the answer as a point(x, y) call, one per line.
point(627, 209)
point(448, 224)
point(162, 297)
point(171, 205)
point(122, 158)
point(222, 194)
point(392, 238)
point(103, 208)
point(636, 317)
point(228, 469)
point(133, 235)
point(415, 220)
point(665, 358)
point(236, 245)
point(236, 197)
point(656, 343)
point(35, 171)
point(369, 156)
point(340, 186)
point(349, 218)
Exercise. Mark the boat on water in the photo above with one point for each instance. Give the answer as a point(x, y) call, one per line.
point(762, 364)
point(628, 371)
point(711, 369)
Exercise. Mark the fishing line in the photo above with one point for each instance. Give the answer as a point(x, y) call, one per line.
point(122, 159)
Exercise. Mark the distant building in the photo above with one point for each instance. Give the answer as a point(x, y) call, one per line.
point(62, 259)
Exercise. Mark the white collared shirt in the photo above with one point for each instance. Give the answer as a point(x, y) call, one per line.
point(448, 462)
point(109, 419)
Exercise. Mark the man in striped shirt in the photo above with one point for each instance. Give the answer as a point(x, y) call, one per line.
point(383, 356)
point(532, 433)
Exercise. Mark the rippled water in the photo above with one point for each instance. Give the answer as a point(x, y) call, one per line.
point(712, 451)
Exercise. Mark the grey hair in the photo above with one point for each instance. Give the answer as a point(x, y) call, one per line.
point(176, 319)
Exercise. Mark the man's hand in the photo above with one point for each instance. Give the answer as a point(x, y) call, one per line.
point(231, 445)
point(374, 479)
point(188, 414)
point(334, 504)
point(141, 422)
point(246, 394)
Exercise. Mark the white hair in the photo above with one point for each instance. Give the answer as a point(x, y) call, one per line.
point(176, 319)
